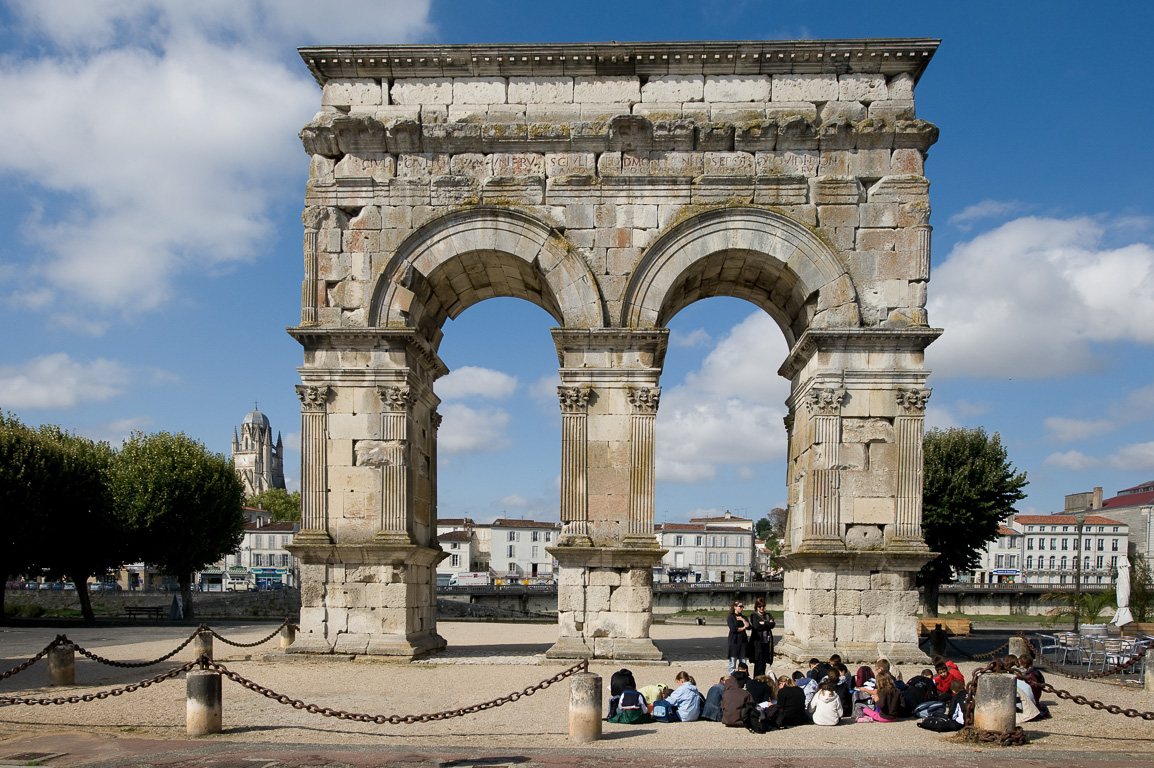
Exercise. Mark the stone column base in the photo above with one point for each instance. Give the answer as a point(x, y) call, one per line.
point(605, 603)
point(372, 599)
point(861, 605)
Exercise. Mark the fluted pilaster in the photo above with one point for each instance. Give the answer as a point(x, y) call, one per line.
point(314, 464)
point(642, 423)
point(909, 426)
point(824, 507)
point(575, 465)
point(396, 405)
point(309, 289)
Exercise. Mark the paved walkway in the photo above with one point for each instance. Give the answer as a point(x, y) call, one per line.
point(485, 661)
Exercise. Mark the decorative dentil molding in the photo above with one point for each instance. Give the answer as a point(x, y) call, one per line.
point(574, 399)
point(912, 402)
point(313, 398)
point(825, 402)
point(396, 398)
point(645, 399)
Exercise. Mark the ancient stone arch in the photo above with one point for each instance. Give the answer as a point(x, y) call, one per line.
point(613, 185)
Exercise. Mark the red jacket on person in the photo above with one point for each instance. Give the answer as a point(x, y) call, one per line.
point(942, 681)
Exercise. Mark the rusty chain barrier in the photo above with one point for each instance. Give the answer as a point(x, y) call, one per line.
point(358, 717)
point(213, 632)
point(21, 667)
point(85, 697)
point(979, 656)
point(127, 664)
point(1114, 670)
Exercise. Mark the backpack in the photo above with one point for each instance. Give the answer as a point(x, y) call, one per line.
point(664, 712)
point(755, 719)
point(940, 724)
point(631, 708)
point(864, 674)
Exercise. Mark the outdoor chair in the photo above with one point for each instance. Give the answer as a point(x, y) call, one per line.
point(1049, 644)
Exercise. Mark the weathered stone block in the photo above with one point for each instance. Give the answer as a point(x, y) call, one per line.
point(676, 163)
point(850, 111)
point(892, 111)
point(902, 629)
point(350, 91)
point(821, 87)
point(901, 86)
point(736, 88)
point(867, 628)
point(907, 161)
point(567, 163)
point(875, 239)
point(597, 598)
point(788, 163)
point(631, 599)
point(604, 577)
point(540, 90)
point(862, 87)
point(517, 164)
point(729, 164)
point(602, 89)
point(674, 88)
point(874, 511)
point(380, 166)
point(422, 90)
point(479, 90)
point(837, 216)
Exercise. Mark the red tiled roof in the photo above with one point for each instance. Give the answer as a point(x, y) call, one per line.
point(1062, 520)
point(507, 523)
point(697, 528)
point(1147, 484)
point(450, 521)
point(287, 527)
point(1004, 531)
point(719, 519)
point(1129, 500)
point(455, 536)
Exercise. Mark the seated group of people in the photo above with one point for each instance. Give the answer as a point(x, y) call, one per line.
point(823, 696)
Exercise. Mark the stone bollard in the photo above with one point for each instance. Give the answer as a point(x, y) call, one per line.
point(202, 645)
point(585, 707)
point(1019, 647)
point(994, 706)
point(202, 710)
point(937, 641)
point(1148, 673)
point(62, 665)
point(288, 635)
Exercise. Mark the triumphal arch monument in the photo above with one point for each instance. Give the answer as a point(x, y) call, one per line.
point(613, 185)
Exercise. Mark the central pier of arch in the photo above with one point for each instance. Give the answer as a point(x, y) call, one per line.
point(614, 193)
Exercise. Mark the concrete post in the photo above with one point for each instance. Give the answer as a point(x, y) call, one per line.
point(585, 708)
point(994, 706)
point(288, 635)
point(202, 645)
point(1148, 673)
point(1019, 647)
point(62, 665)
point(202, 703)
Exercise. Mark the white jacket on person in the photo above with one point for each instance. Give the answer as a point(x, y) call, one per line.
point(825, 707)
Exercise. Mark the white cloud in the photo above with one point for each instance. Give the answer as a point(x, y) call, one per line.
point(698, 337)
point(544, 390)
point(729, 410)
point(472, 430)
point(1075, 460)
point(512, 500)
point(58, 381)
point(473, 381)
point(1136, 457)
point(116, 432)
point(1030, 298)
point(155, 136)
point(1067, 430)
point(986, 209)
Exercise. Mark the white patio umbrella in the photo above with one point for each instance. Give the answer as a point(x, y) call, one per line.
point(1122, 588)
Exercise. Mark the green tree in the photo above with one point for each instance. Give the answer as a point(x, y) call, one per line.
point(24, 479)
point(182, 503)
point(970, 486)
point(1088, 606)
point(285, 506)
point(80, 537)
point(772, 525)
point(1140, 579)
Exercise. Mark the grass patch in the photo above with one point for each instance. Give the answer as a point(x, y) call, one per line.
point(703, 613)
point(979, 618)
point(28, 611)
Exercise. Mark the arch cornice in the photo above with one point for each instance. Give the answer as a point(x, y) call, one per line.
point(573, 296)
point(772, 244)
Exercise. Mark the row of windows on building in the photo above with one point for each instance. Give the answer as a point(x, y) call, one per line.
point(1056, 563)
point(713, 541)
point(1066, 544)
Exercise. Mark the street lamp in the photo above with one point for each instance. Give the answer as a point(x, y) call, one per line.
point(1079, 518)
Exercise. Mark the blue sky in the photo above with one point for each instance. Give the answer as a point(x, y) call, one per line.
point(151, 185)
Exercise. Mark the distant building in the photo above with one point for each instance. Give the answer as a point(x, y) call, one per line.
point(1135, 507)
point(1001, 561)
point(261, 562)
point(259, 462)
point(721, 550)
point(458, 537)
point(517, 548)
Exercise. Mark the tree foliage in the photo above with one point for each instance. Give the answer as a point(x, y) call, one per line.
point(1141, 577)
point(970, 486)
point(24, 479)
point(284, 506)
point(182, 503)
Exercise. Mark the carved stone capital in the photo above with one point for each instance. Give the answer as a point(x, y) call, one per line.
point(396, 398)
point(313, 398)
point(825, 402)
point(435, 418)
point(645, 399)
point(912, 402)
point(574, 399)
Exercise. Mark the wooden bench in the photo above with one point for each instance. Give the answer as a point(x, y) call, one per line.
point(154, 612)
point(960, 627)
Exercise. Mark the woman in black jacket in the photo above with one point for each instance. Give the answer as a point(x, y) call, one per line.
point(738, 648)
point(761, 626)
point(790, 706)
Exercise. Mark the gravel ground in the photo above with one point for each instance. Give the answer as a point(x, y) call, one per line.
point(484, 661)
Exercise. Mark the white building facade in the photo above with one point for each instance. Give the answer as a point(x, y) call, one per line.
point(1044, 549)
point(698, 552)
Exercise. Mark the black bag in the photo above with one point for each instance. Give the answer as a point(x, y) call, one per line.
point(755, 720)
point(940, 724)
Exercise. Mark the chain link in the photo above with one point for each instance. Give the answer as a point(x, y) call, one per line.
point(980, 656)
point(45, 701)
point(285, 623)
point(130, 664)
point(359, 717)
point(60, 639)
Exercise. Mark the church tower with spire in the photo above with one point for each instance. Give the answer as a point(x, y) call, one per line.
point(258, 462)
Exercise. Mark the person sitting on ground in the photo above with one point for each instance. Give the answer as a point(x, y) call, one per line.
point(883, 665)
point(1027, 706)
point(621, 681)
point(686, 698)
point(887, 702)
point(711, 709)
point(807, 684)
point(951, 719)
point(1036, 680)
point(654, 693)
point(818, 670)
point(789, 709)
point(759, 689)
point(862, 676)
point(628, 706)
point(844, 686)
point(863, 698)
point(946, 673)
point(921, 694)
point(826, 705)
point(733, 703)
